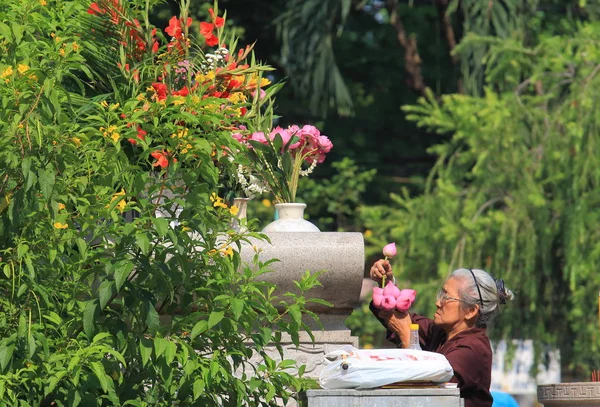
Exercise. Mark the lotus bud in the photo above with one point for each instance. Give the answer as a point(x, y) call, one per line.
point(377, 300)
point(389, 250)
point(403, 303)
point(407, 292)
point(391, 290)
point(388, 303)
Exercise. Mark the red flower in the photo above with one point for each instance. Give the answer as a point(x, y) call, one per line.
point(212, 41)
point(161, 159)
point(174, 28)
point(141, 135)
point(95, 9)
point(182, 92)
point(219, 21)
point(161, 90)
point(206, 29)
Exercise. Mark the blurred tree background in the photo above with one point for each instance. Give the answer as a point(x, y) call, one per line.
point(492, 163)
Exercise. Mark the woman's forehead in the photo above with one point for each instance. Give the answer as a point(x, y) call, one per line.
point(452, 284)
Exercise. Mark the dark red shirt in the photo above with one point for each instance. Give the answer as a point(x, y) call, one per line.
point(469, 353)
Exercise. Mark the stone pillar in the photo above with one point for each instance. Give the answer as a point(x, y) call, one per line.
point(341, 256)
point(569, 394)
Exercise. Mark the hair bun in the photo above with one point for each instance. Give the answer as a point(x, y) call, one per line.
point(504, 294)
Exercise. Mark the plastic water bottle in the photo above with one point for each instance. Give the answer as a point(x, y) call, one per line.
point(414, 337)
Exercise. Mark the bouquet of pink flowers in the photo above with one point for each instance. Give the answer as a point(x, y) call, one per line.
point(391, 297)
point(283, 155)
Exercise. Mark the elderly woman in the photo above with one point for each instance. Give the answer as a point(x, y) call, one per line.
point(466, 304)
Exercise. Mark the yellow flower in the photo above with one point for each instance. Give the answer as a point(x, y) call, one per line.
point(228, 251)
point(368, 233)
point(184, 151)
point(7, 72)
point(104, 103)
point(217, 201)
point(61, 52)
point(61, 206)
point(33, 77)
point(178, 100)
point(237, 97)
point(22, 68)
point(59, 225)
point(114, 106)
point(115, 137)
point(234, 210)
point(141, 97)
point(75, 46)
point(43, 2)
point(266, 203)
point(76, 141)
point(121, 204)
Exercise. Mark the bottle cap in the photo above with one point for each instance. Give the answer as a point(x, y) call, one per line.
point(414, 327)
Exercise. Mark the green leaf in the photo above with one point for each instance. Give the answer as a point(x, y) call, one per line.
point(198, 388)
point(122, 270)
point(237, 307)
point(161, 225)
point(18, 32)
point(22, 248)
point(105, 292)
point(145, 350)
point(6, 351)
point(152, 318)
point(170, 352)
point(90, 313)
point(53, 381)
point(5, 32)
point(160, 345)
point(141, 239)
point(214, 318)
point(46, 179)
point(98, 369)
point(200, 327)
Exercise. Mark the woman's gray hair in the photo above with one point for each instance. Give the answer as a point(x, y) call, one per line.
point(479, 288)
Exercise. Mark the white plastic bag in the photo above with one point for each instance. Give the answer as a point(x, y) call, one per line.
point(351, 368)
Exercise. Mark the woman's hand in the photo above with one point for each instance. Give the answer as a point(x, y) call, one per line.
point(399, 323)
point(381, 268)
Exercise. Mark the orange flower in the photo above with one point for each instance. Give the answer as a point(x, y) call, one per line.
point(219, 21)
point(174, 28)
point(161, 159)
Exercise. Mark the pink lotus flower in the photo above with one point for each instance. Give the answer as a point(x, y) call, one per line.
point(377, 300)
point(407, 292)
point(403, 303)
point(388, 303)
point(389, 250)
point(377, 296)
point(391, 290)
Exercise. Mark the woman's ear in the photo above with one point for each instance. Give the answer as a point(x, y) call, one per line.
point(471, 314)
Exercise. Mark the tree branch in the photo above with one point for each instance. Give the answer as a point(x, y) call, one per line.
point(412, 59)
point(442, 6)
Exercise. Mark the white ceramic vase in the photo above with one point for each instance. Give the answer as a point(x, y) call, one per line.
point(238, 222)
point(291, 219)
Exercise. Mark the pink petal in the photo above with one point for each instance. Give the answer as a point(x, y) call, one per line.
point(377, 300)
point(389, 250)
point(388, 303)
point(407, 292)
point(403, 303)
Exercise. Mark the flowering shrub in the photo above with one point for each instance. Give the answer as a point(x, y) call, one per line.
point(279, 158)
point(121, 280)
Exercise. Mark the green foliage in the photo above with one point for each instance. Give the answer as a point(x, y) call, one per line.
point(122, 282)
point(334, 203)
point(515, 192)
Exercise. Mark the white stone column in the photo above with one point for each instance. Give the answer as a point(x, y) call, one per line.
point(341, 256)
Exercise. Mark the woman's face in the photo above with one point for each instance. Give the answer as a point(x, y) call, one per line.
point(449, 314)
